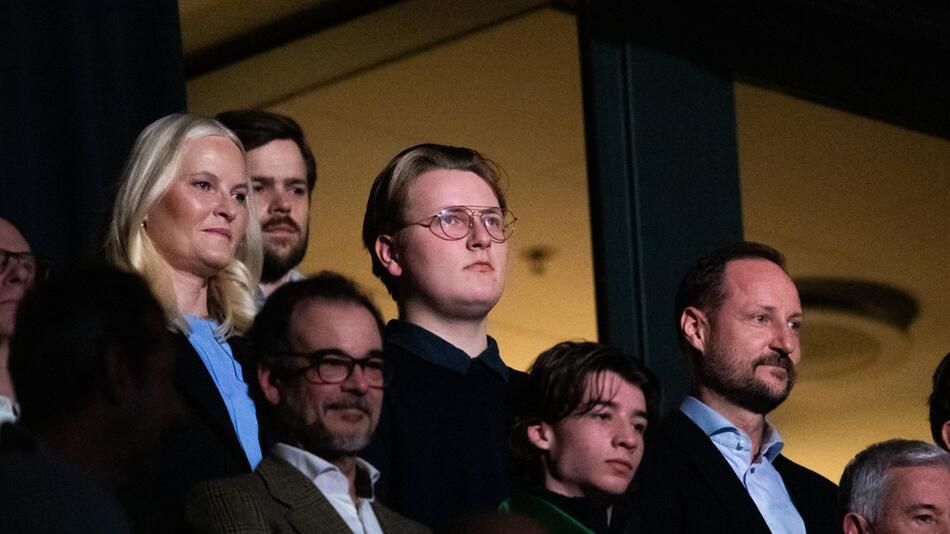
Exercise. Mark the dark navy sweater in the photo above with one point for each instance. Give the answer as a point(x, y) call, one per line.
point(441, 445)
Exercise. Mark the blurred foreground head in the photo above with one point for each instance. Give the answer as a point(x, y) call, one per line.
point(92, 368)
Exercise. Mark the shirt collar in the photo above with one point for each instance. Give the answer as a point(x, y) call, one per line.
point(314, 467)
point(434, 349)
point(722, 431)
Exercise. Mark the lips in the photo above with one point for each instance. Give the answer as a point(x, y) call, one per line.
point(621, 465)
point(354, 408)
point(224, 232)
point(280, 225)
point(481, 266)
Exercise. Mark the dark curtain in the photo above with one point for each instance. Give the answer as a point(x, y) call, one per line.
point(78, 80)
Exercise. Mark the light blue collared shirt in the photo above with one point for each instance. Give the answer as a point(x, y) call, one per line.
point(226, 373)
point(759, 478)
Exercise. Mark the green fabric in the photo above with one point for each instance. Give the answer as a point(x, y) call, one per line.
point(552, 518)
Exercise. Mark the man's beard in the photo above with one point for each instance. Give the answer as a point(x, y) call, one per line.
point(745, 391)
point(276, 265)
point(318, 439)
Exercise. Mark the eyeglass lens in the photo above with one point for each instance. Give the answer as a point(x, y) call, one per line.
point(26, 261)
point(336, 368)
point(456, 222)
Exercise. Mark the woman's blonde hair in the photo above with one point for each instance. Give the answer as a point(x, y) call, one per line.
point(150, 171)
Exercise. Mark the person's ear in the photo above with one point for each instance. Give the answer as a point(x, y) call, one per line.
point(855, 524)
point(269, 383)
point(540, 435)
point(945, 434)
point(388, 254)
point(694, 326)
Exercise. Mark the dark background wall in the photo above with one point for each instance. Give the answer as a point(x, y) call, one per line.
point(78, 81)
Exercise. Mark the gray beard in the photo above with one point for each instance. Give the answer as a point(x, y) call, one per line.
point(317, 440)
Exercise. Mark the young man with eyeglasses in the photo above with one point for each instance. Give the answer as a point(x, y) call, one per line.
point(319, 390)
point(437, 228)
point(18, 269)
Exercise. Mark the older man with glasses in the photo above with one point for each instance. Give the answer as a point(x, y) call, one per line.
point(18, 269)
point(320, 376)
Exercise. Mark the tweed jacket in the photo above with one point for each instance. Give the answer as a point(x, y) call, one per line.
point(275, 498)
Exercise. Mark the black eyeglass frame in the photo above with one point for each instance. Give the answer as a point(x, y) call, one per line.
point(317, 358)
point(507, 227)
point(34, 265)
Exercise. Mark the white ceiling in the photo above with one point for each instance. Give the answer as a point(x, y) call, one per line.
point(841, 195)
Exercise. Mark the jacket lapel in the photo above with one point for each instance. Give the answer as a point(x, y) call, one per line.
point(309, 511)
point(714, 470)
point(193, 381)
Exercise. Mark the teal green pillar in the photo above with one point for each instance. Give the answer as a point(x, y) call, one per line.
point(664, 180)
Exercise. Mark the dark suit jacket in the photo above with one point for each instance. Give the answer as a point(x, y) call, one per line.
point(685, 485)
point(276, 498)
point(201, 445)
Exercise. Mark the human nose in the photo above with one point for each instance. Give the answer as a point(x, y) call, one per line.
point(15, 272)
point(626, 436)
point(280, 202)
point(478, 234)
point(356, 382)
point(785, 339)
point(226, 207)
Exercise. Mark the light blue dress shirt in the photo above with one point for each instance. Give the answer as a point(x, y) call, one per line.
point(227, 376)
point(759, 477)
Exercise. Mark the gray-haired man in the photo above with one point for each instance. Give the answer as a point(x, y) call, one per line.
point(897, 486)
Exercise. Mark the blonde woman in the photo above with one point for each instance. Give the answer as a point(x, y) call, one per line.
point(183, 219)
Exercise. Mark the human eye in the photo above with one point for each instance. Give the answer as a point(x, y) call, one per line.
point(374, 364)
point(795, 324)
point(601, 415)
point(925, 518)
point(761, 318)
point(640, 426)
point(493, 219)
point(240, 196)
point(202, 184)
point(257, 187)
point(454, 217)
point(334, 362)
point(299, 191)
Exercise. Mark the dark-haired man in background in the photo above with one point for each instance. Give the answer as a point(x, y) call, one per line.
point(320, 376)
point(940, 404)
point(716, 463)
point(283, 173)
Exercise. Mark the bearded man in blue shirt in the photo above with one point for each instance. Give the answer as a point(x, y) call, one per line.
point(715, 464)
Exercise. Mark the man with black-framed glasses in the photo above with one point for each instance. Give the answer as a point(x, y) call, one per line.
point(18, 269)
point(320, 374)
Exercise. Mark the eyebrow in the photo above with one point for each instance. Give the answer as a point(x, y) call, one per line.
point(921, 507)
point(339, 352)
point(294, 180)
point(207, 174)
point(772, 309)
